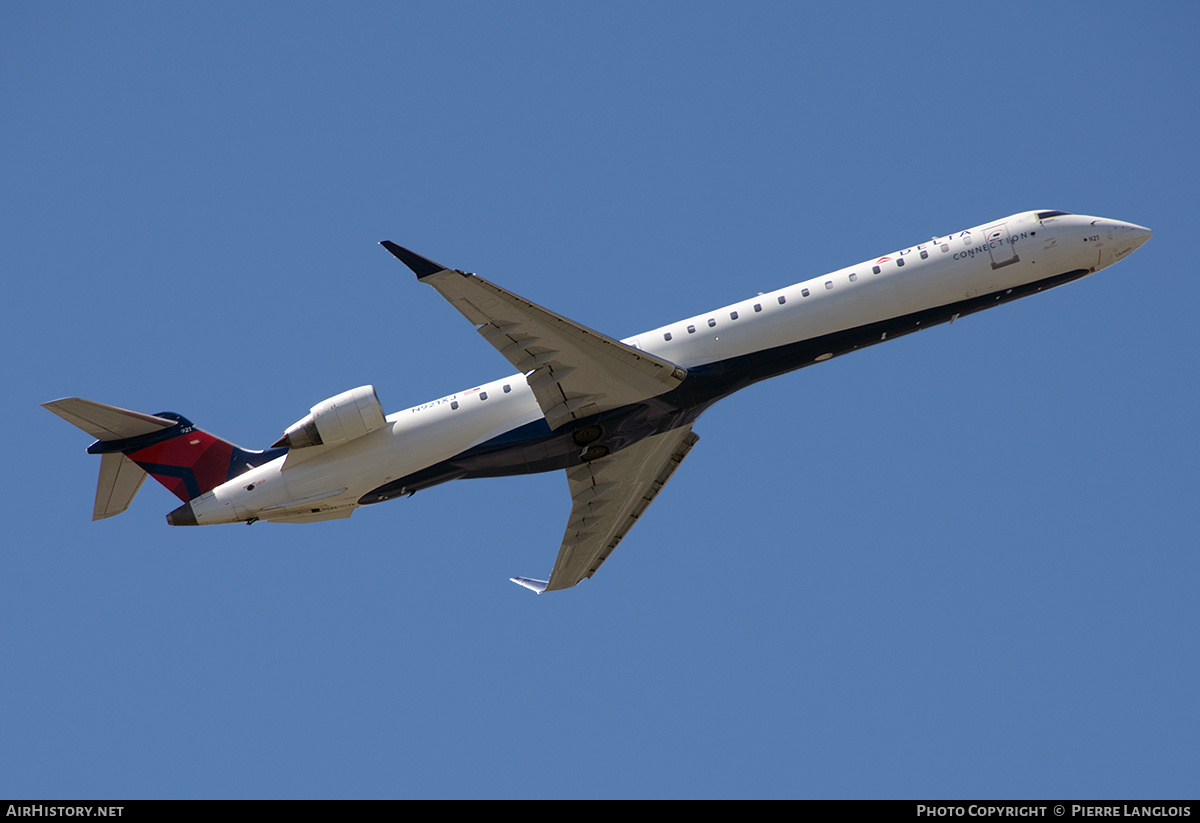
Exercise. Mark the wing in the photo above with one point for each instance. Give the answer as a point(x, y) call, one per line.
point(574, 372)
point(608, 496)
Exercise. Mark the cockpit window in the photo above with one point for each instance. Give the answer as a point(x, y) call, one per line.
point(1042, 215)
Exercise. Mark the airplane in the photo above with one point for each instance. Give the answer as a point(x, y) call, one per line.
point(615, 416)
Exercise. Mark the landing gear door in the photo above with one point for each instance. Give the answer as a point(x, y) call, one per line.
point(1001, 246)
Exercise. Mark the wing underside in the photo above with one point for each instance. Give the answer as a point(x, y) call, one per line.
point(608, 496)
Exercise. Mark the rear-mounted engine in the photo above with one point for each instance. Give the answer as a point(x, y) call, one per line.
point(337, 420)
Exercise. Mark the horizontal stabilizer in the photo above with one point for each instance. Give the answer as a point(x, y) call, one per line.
point(120, 480)
point(105, 422)
point(538, 586)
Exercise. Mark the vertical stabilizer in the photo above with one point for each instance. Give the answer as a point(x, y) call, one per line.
point(186, 460)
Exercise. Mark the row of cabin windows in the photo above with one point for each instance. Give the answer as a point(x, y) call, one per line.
point(712, 320)
point(482, 396)
point(712, 323)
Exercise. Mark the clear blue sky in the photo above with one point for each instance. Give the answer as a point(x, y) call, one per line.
point(964, 564)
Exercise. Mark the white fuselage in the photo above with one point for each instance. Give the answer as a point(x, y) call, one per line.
point(984, 260)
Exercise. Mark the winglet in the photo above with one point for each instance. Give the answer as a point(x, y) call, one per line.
point(538, 586)
point(422, 267)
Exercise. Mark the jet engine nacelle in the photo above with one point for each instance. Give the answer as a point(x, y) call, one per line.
point(337, 420)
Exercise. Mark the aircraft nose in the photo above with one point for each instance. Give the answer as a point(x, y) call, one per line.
point(1130, 237)
point(1137, 234)
point(1122, 240)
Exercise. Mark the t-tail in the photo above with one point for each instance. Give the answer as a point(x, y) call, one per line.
point(186, 460)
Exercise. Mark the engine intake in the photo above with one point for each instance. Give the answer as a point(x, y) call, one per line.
point(337, 420)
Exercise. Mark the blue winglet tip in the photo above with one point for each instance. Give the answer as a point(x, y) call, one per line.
point(422, 267)
point(538, 586)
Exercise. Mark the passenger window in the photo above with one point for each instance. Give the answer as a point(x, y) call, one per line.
point(782, 299)
point(945, 248)
point(804, 292)
point(483, 395)
point(507, 388)
point(667, 336)
point(875, 269)
point(758, 306)
point(454, 404)
point(924, 254)
point(828, 284)
point(733, 315)
point(853, 277)
point(712, 323)
point(691, 329)
point(899, 261)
